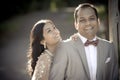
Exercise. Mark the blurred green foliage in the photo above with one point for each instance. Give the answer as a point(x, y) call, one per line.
point(15, 8)
point(102, 11)
point(119, 55)
point(8, 28)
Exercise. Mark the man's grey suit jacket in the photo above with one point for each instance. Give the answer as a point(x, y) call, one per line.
point(70, 61)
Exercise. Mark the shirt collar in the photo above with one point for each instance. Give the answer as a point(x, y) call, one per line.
point(85, 39)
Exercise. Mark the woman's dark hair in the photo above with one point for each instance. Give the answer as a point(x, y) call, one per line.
point(36, 48)
point(83, 6)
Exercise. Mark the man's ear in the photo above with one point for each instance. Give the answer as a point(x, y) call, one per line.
point(98, 21)
point(76, 25)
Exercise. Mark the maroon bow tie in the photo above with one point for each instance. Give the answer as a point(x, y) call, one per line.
point(91, 42)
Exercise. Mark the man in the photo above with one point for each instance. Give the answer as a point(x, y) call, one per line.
point(82, 59)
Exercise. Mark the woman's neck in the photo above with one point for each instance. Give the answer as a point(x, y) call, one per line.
point(52, 48)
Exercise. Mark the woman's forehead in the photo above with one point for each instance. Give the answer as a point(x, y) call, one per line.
point(48, 25)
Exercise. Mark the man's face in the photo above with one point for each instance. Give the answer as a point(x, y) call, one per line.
point(87, 22)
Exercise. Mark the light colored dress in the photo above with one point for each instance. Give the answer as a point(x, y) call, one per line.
point(42, 67)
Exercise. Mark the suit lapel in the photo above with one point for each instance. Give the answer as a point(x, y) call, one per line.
point(81, 52)
point(99, 60)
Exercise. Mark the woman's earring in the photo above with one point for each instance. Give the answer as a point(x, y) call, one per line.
point(45, 45)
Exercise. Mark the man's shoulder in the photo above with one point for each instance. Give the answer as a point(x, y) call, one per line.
point(65, 43)
point(105, 41)
point(68, 41)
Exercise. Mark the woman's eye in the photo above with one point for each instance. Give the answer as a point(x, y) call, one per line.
point(49, 31)
point(54, 27)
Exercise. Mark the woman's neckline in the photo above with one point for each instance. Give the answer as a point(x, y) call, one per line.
point(49, 53)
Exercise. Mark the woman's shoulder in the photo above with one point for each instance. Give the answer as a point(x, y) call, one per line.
point(44, 57)
point(43, 61)
point(41, 67)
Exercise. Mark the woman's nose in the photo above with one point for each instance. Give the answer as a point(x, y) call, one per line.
point(57, 31)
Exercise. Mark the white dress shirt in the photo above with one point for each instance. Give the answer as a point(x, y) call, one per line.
point(91, 55)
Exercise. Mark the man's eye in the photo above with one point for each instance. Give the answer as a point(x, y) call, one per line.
point(83, 20)
point(92, 19)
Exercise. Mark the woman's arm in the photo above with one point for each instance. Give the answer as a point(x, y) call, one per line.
point(42, 68)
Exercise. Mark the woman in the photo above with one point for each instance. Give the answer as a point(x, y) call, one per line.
point(44, 38)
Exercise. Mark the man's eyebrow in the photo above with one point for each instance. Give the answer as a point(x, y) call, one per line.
point(92, 16)
point(81, 18)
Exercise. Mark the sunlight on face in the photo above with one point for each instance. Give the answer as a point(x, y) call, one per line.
point(51, 34)
point(87, 22)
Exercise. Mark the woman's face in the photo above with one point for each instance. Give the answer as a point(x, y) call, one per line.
point(51, 34)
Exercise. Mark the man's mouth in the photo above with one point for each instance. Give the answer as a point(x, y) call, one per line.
point(89, 28)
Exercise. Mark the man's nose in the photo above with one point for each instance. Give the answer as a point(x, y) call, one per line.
point(87, 22)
